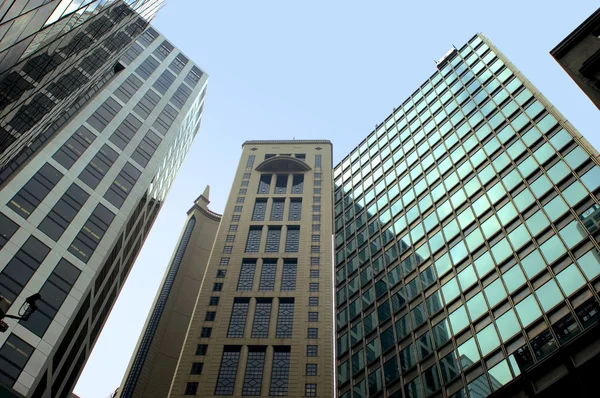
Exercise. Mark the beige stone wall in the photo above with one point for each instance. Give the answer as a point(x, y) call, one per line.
point(298, 343)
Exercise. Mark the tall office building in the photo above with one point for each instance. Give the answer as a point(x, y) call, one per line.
point(54, 56)
point(262, 325)
point(74, 217)
point(152, 366)
point(579, 56)
point(466, 243)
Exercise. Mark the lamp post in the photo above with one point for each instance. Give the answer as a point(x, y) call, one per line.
point(28, 308)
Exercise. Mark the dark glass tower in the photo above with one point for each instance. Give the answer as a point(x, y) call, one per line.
point(466, 242)
point(54, 56)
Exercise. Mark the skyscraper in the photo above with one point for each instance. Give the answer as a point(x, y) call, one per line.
point(466, 243)
point(54, 56)
point(73, 218)
point(579, 56)
point(152, 366)
point(262, 325)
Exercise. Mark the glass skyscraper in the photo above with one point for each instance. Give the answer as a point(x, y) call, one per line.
point(466, 242)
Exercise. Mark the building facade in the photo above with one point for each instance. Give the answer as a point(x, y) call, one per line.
point(152, 366)
point(262, 325)
point(579, 55)
point(54, 56)
point(73, 218)
point(466, 243)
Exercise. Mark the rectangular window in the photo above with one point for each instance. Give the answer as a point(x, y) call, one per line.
point(281, 184)
point(235, 218)
point(131, 54)
point(316, 199)
point(313, 301)
point(210, 316)
point(273, 239)
point(318, 161)
point(264, 185)
point(165, 119)
point(230, 238)
point(260, 209)
point(53, 294)
point(242, 191)
point(280, 372)
point(315, 260)
point(254, 371)
point(14, 355)
point(312, 333)
point(217, 287)
point(238, 209)
point(316, 191)
point(224, 261)
point(191, 388)
point(193, 77)
point(63, 212)
point(146, 148)
point(228, 370)
point(104, 114)
point(262, 318)
point(233, 228)
point(297, 183)
point(180, 96)
point(122, 185)
point(97, 168)
point(227, 249)
point(205, 333)
point(128, 88)
point(88, 238)
point(292, 239)
point(314, 273)
point(288, 277)
point(295, 209)
point(318, 176)
point(35, 190)
point(178, 63)
point(245, 184)
point(311, 369)
point(314, 287)
point(285, 318)
point(316, 227)
point(317, 183)
point(240, 199)
point(267, 275)
point(316, 238)
point(21, 267)
point(316, 217)
point(196, 368)
point(310, 389)
point(277, 210)
point(147, 103)
point(214, 300)
point(7, 229)
point(125, 131)
point(239, 313)
point(316, 208)
point(253, 241)
point(312, 350)
point(221, 273)
point(201, 349)
point(313, 316)
point(147, 67)
point(315, 249)
point(164, 81)
point(74, 147)
point(246, 278)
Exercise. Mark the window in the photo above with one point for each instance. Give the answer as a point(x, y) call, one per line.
point(146, 148)
point(273, 239)
point(205, 332)
point(247, 175)
point(210, 316)
point(146, 104)
point(237, 209)
point(164, 81)
point(74, 147)
point(288, 277)
point(7, 229)
point(63, 212)
point(314, 273)
point(297, 183)
point(147, 67)
point(267, 275)
point(264, 185)
point(318, 161)
point(196, 368)
point(122, 185)
point(224, 261)
point(314, 287)
point(316, 191)
point(180, 96)
point(315, 260)
point(253, 241)
point(227, 249)
point(295, 209)
point(230, 238)
point(240, 199)
point(239, 312)
point(316, 217)
point(316, 208)
point(178, 63)
point(246, 278)
point(35, 190)
point(128, 88)
point(313, 316)
point(242, 191)
point(312, 350)
point(228, 370)
point(244, 184)
point(315, 249)
point(249, 164)
point(312, 333)
point(280, 372)
point(201, 349)
point(193, 77)
point(221, 273)
point(310, 390)
point(14, 355)
point(317, 183)
point(97, 168)
point(165, 119)
point(292, 239)
point(254, 371)
point(235, 218)
point(313, 301)
point(104, 114)
point(311, 369)
point(285, 319)
point(316, 238)
point(260, 208)
point(316, 199)
point(88, 238)
point(233, 228)
point(318, 175)
point(262, 317)
point(281, 184)
point(316, 227)
point(277, 210)
point(217, 287)
point(214, 300)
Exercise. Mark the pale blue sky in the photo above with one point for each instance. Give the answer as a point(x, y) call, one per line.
point(317, 69)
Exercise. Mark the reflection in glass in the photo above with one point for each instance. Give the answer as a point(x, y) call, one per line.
point(508, 325)
point(479, 388)
point(566, 328)
point(468, 353)
point(549, 295)
point(543, 344)
point(570, 279)
point(528, 310)
point(500, 375)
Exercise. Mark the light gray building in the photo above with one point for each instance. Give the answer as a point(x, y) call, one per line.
point(74, 217)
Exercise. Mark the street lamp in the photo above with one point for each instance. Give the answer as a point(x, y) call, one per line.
point(28, 308)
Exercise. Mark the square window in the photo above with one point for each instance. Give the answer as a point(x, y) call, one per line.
point(217, 287)
point(316, 208)
point(310, 390)
point(227, 249)
point(206, 332)
point(240, 199)
point(221, 273)
point(316, 227)
point(238, 209)
point(235, 218)
point(213, 301)
point(191, 388)
point(201, 349)
point(314, 287)
point(230, 238)
point(312, 350)
point(224, 261)
point(210, 316)
point(313, 301)
point(245, 183)
point(312, 333)
point(233, 228)
point(311, 369)
point(315, 260)
point(242, 191)
point(317, 191)
point(313, 316)
point(196, 368)
point(314, 273)
point(316, 217)
point(315, 249)
point(316, 238)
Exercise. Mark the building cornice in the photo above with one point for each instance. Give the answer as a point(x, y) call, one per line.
point(583, 29)
point(275, 142)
